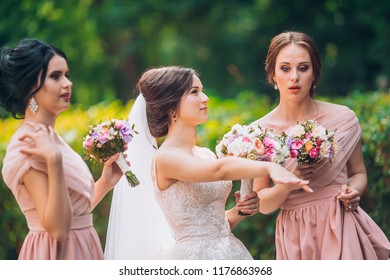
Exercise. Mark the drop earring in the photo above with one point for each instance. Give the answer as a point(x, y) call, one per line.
point(174, 118)
point(276, 86)
point(33, 106)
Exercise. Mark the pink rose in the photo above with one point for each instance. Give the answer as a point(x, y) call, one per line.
point(307, 136)
point(293, 153)
point(246, 139)
point(297, 145)
point(119, 124)
point(269, 151)
point(268, 142)
point(314, 153)
point(88, 143)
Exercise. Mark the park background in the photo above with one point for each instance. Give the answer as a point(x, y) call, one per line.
point(110, 43)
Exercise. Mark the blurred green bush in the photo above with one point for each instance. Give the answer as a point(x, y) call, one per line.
point(257, 233)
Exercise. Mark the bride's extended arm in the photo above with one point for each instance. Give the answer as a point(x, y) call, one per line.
point(271, 198)
point(174, 164)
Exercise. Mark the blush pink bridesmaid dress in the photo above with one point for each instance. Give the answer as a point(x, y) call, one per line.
point(314, 226)
point(83, 242)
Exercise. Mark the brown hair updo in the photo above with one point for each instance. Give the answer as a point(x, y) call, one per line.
point(287, 38)
point(162, 89)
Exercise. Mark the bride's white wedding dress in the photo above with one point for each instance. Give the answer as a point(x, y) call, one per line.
point(137, 228)
point(196, 214)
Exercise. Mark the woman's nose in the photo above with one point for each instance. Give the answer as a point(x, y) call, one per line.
point(204, 98)
point(68, 82)
point(294, 75)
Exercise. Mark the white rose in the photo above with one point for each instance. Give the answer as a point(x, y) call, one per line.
point(319, 132)
point(295, 131)
point(324, 149)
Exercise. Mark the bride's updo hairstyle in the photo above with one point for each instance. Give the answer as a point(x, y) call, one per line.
point(20, 69)
point(162, 89)
point(292, 38)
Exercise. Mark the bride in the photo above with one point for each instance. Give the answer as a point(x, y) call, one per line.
point(178, 211)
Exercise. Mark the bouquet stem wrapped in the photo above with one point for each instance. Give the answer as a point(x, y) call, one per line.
point(130, 176)
point(246, 188)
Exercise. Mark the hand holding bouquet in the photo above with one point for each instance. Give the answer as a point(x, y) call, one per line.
point(309, 142)
point(108, 138)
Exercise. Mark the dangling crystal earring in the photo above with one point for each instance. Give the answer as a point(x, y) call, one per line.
point(33, 106)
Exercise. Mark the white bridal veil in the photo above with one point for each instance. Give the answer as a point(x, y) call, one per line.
point(137, 228)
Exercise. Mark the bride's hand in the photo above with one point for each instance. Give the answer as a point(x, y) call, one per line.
point(249, 204)
point(280, 175)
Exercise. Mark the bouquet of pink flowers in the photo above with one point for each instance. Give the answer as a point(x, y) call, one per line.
point(251, 142)
point(108, 138)
point(309, 142)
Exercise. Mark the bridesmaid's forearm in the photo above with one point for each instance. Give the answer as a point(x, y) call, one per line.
point(101, 189)
point(272, 198)
point(359, 182)
point(233, 218)
point(58, 210)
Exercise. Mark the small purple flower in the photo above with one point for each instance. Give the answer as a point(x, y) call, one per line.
point(289, 142)
point(126, 133)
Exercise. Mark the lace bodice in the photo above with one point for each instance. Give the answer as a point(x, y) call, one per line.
point(196, 215)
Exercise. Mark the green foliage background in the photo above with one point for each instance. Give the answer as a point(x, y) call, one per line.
point(257, 232)
point(109, 44)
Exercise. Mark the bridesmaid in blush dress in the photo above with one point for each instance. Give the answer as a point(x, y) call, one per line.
point(328, 223)
point(51, 183)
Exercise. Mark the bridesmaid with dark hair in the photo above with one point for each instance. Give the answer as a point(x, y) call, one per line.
point(328, 223)
point(51, 183)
